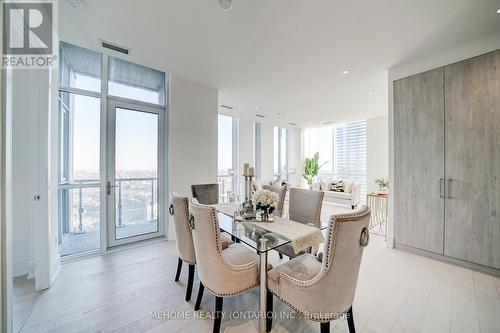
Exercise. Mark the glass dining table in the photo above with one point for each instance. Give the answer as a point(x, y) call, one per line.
point(262, 241)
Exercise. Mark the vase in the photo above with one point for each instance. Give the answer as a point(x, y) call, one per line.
point(264, 213)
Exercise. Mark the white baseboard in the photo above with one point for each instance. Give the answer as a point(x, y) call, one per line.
point(22, 267)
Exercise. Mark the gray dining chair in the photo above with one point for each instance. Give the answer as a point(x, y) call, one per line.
point(206, 194)
point(304, 206)
point(281, 192)
point(324, 291)
point(224, 272)
point(179, 206)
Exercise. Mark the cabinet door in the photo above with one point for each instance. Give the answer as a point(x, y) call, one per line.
point(472, 93)
point(419, 160)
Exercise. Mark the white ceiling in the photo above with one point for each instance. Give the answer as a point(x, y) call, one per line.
point(284, 56)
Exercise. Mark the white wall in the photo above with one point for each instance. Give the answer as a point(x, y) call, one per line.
point(295, 156)
point(192, 135)
point(267, 150)
point(461, 52)
point(377, 151)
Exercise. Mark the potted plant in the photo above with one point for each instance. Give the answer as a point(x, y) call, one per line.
point(311, 168)
point(383, 185)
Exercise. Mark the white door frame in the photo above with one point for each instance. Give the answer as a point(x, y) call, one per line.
point(113, 103)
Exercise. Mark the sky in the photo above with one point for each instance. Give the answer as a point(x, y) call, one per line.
point(136, 132)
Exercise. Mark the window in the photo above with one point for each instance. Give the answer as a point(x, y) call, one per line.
point(227, 153)
point(130, 158)
point(79, 149)
point(350, 153)
point(136, 82)
point(257, 149)
point(79, 68)
point(280, 166)
point(320, 140)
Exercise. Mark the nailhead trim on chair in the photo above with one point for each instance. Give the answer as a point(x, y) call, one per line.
point(341, 218)
point(186, 208)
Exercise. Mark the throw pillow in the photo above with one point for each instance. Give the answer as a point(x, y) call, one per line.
point(348, 187)
point(325, 186)
point(338, 185)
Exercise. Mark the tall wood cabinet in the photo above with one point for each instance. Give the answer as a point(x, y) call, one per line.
point(447, 160)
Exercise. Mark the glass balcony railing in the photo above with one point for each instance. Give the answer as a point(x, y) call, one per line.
point(80, 211)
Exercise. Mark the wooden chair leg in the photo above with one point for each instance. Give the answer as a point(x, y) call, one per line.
point(200, 296)
point(325, 327)
point(189, 288)
point(269, 316)
point(218, 314)
point(179, 268)
point(350, 321)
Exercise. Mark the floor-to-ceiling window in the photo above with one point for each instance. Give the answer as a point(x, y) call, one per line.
point(227, 154)
point(111, 155)
point(280, 151)
point(320, 140)
point(342, 151)
point(350, 153)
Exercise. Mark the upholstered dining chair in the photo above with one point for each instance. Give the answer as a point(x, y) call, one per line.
point(281, 192)
point(224, 272)
point(179, 206)
point(304, 206)
point(324, 291)
point(207, 194)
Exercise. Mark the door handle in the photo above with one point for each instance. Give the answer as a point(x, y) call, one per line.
point(108, 188)
point(449, 188)
point(441, 188)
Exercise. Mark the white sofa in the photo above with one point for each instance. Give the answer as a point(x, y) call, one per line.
point(350, 196)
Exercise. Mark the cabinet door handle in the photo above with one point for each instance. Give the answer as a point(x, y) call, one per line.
point(441, 188)
point(449, 188)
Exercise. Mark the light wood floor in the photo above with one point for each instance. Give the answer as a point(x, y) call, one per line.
point(397, 292)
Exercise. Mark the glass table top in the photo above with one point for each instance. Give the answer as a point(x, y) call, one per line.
point(252, 233)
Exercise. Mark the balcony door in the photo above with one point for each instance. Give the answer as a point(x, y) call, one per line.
point(134, 182)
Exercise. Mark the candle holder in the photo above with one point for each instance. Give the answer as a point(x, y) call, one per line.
point(247, 212)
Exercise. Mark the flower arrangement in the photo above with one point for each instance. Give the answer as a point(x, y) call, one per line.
point(265, 200)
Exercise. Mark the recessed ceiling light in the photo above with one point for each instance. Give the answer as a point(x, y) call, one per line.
point(371, 93)
point(498, 11)
point(226, 5)
point(345, 72)
point(256, 108)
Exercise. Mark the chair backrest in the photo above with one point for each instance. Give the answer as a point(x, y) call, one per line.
point(347, 237)
point(305, 206)
point(179, 209)
point(215, 272)
point(281, 192)
point(207, 194)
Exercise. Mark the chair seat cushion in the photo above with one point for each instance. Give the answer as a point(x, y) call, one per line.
point(238, 254)
point(303, 267)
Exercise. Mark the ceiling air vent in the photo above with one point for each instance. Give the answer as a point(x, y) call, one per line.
point(114, 47)
point(226, 106)
point(293, 124)
point(260, 115)
point(327, 123)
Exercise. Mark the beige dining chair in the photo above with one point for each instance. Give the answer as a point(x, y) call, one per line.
point(304, 206)
point(224, 272)
point(281, 192)
point(179, 206)
point(207, 194)
point(324, 291)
